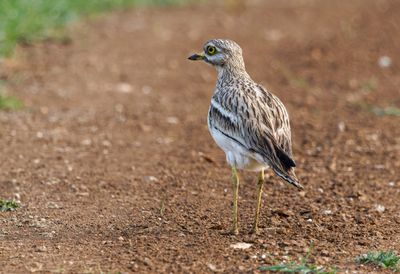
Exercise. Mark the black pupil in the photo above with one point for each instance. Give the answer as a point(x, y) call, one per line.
point(210, 49)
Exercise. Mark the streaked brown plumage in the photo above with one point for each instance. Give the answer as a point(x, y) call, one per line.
point(248, 122)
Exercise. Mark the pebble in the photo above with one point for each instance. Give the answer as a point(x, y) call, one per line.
point(342, 126)
point(212, 267)
point(380, 208)
point(384, 61)
point(146, 90)
point(172, 120)
point(124, 88)
point(241, 245)
point(148, 262)
point(86, 142)
point(41, 249)
point(149, 179)
point(53, 205)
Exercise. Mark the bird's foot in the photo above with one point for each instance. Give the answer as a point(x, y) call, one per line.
point(255, 230)
point(234, 231)
point(230, 232)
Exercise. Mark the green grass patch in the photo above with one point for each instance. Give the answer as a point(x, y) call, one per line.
point(8, 205)
point(24, 21)
point(369, 85)
point(301, 83)
point(301, 266)
point(377, 110)
point(385, 259)
point(10, 103)
point(387, 111)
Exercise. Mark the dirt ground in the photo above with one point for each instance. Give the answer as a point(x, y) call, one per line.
point(116, 171)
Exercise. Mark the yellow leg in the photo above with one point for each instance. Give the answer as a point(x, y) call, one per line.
point(235, 184)
point(260, 183)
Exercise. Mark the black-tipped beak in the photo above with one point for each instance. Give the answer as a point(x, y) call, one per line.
point(196, 57)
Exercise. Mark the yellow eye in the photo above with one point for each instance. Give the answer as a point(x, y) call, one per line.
point(211, 50)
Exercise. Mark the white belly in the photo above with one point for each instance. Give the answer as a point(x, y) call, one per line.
point(236, 155)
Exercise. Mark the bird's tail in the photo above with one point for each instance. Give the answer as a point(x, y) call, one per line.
point(289, 176)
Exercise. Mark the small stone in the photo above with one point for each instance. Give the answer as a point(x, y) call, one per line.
point(384, 61)
point(148, 262)
point(86, 142)
point(241, 245)
point(164, 141)
point(52, 205)
point(120, 238)
point(273, 35)
point(342, 126)
point(212, 267)
point(35, 267)
point(380, 208)
point(332, 165)
point(325, 253)
point(52, 181)
point(106, 143)
point(124, 88)
point(149, 179)
point(302, 193)
point(172, 120)
point(41, 249)
point(146, 90)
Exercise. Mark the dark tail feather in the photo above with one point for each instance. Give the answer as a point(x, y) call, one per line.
point(290, 178)
point(286, 161)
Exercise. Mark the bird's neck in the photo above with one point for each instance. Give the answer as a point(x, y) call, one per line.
point(231, 71)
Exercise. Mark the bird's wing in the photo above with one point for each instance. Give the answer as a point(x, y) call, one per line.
point(272, 121)
point(258, 121)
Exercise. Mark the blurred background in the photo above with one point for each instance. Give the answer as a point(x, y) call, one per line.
point(24, 21)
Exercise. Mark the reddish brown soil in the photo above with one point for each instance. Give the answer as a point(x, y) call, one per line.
point(115, 169)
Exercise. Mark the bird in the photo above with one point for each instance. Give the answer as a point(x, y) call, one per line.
point(248, 122)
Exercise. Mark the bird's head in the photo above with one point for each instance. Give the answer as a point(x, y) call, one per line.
point(220, 53)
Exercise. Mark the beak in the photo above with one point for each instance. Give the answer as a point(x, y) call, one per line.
point(196, 57)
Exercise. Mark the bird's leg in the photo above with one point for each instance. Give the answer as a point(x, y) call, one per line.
point(260, 183)
point(235, 184)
